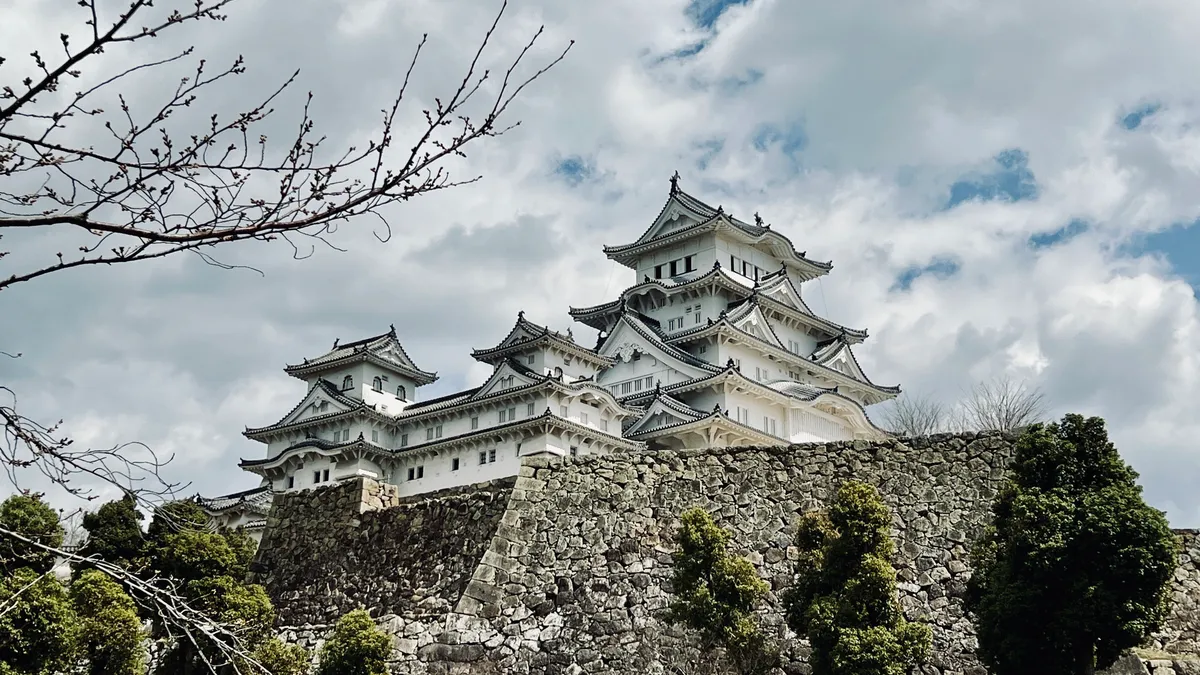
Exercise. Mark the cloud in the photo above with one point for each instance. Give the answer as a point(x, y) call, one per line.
point(1004, 188)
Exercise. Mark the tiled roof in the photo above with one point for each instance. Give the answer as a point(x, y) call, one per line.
point(537, 335)
point(376, 347)
point(257, 500)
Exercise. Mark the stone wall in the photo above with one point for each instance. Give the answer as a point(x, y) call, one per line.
point(567, 569)
point(1181, 635)
point(356, 544)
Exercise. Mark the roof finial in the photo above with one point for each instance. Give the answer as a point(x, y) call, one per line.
point(758, 219)
point(720, 209)
point(570, 335)
point(657, 387)
point(521, 314)
point(392, 329)
point(335, 341)
point(716, 264)
point(675, 183)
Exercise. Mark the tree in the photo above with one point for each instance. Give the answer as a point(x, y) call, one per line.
point(1000, 404)
point(915, 416)
point(716, 593)
point(1075, 566)
point(28, 515)
point(115, 532)
point(276, 657)
point(356, 647)
point(37, 624)
point(115, 178)
point(844, 596)
point(109, 632)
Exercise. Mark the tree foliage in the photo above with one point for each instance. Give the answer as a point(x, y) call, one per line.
point(276, 657)
point(115, 532)
point(1074, 568)
point(28, 515)
point(844, 596)
point(716, 593)
point(38, 626)
point(356, 647)
point(110, 635)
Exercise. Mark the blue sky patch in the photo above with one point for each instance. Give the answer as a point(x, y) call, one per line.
point(1180, 245)
point(705, 13)
point(1134, 119)
point(1009, 180)
point(1063, 234)
point(709, 150)
point(574, 170)
point(941, 268)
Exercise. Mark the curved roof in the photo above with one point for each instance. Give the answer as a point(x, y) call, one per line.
point(525, 335)
point(384, 350)
point(257, 500)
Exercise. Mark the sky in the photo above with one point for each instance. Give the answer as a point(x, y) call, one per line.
point(1005, 189)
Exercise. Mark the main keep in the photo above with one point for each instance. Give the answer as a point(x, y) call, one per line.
point(713, 346)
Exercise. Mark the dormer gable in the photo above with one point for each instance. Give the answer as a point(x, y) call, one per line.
point(384, 351)
point(749, 318)
point(631, 337)
point(779, 287)
point(508, 375)
point(664, 411)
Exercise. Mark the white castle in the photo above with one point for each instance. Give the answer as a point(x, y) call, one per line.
point(712, 346)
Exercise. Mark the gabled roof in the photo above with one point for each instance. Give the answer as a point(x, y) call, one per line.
point(717, 417)
point(257, 500)
point(383, 350)
point(323, 389)
point(748, 317)
point(358, 447)
point(778, 286)
point(663, 405)
point(526, 335)
point(522, 377)
point(701, 217)
point(619, 340)
point(837, 350)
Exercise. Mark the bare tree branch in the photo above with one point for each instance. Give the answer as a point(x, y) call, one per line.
point(915, 416)
point(1000, 404)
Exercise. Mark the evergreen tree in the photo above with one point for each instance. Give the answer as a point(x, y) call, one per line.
point(279, 658)
point(38, 626)
point(109, 632)
point(357, 647)
point(32, 518)
point(716, 592)
point(115, 532)
point(844, 597)
point(1074, 568)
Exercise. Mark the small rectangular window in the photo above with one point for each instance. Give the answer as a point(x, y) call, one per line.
point(603, 425)
point(650, 382)
point(345, 434)
point(689, 263)
point(574, 451)
point(658, 269)
point(437, 431)
point(529, 409)
point(688, 310)
point(562, 409)
point(501, 414)
point(291, 482)
point(454, 464)
point(475, 422)
point(637, 384)
point(583, 418)
point(626, 387)
point(429, 433)
point(698, 317)
point(403, 440)
point(325, 475)
point(491, 455)
point(316, 477)
point(703, 348)
point(483, 458)
point(733, 266)
point(412, 473)
point(518, 449)
point(674, 267)
point(512, 414)
point(421, 471)
point(530, 360)
point(374, 435)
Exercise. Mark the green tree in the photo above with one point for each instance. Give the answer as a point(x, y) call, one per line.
point(844, 598)
point(357, 647)
point(37, 624)
point(115, 532)
point(1074, 568)
point(716, 592)
point(279, 658)
point(109, 632)
point(29, 516)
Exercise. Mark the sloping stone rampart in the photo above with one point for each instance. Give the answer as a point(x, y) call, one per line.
point(571, 563)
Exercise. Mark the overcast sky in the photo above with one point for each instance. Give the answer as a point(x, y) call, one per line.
point(1003, 188)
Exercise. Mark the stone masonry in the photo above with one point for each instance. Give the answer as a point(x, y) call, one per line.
point(567, 569)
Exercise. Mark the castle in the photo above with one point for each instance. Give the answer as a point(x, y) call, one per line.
point(713, 346)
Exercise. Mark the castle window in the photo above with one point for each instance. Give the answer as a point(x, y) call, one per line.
point(583, 418)
point(475, 422)
point(603, 425)
point(626, 387)
point(530, 360)
point(345, 434)
point(316, 477)
point(491, 455)
point(421, 471)
point(529, 409)
point(674, 267)
point(658, 270)
point(437, 431)
point(454, 464)
point(574, 451)
point(558, 372)
point(412, 473)
point(697, 315)
point(403, 440)
point(518, 449)
point(377, 384)
point(401, 393)
point(649, 382)
point(688, 263)
point(501, 414)
point(429, 433)
point(637, 384)
point(374, 435)
point(483, 458)
point(291, 482)
point(512, 413)
point(347, 382)
point(325, 475)
point(562, 410)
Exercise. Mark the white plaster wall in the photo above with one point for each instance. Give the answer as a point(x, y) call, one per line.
point(703, 247)
point(439, 475)
point(808, 343)
point(587, 414)
point(631, 371)
point(460, 422)
point(750, 359)
point(726, 247)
